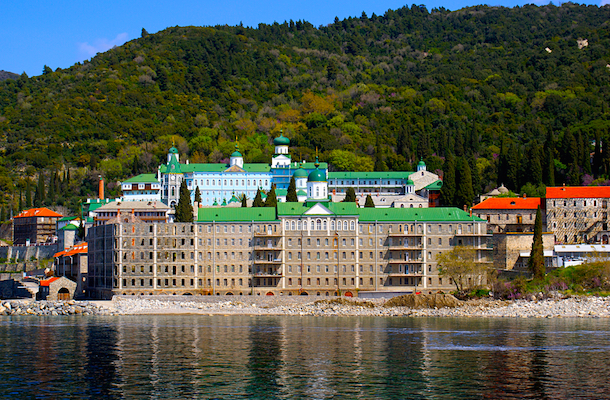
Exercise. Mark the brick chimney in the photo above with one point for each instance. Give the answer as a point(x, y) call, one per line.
point(100, 189)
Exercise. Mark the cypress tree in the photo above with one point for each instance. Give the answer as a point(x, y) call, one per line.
point(369, 203)
point(464, 193)
point(39, 195)
point(271, 200)
point(51, 197)
point(512, 173)
point(244, 200)
point(3, 214)
point(536, 261)
point(258, 199)
point(197, 195)
point(28, 194)
point(549, 168)
point(448, 188)
point(350, 195)
point(597, 155)
point(184, 209)
point(534, 173)
point(291, 195)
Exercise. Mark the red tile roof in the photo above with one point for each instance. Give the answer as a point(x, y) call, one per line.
point(38, 212)
point(78, 249)
point(577, 192)
point(509, 203)
point(46, 282)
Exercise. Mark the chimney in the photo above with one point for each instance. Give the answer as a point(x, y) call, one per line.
point(100, 189)
point(465, 207)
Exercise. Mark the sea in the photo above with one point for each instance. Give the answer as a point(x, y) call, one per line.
point(289, 357)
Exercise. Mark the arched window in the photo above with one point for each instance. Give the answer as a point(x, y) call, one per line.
point(213, 182)
point(332, 225)
point(298, 225)
point(352, 225)
point(344, 225)
point(317, 192)
point(293, 224)
point(173, 192)
point(319, 225)
point(287, 225)
point(338, 225)
point(324, 224)
point(304, 225)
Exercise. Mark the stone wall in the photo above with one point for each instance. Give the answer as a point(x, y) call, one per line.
point(507, 247)
point(25, 253)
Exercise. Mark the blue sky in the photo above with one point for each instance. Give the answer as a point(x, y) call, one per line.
point(59, 33)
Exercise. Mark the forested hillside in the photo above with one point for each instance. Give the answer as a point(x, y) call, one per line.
point(488, 95)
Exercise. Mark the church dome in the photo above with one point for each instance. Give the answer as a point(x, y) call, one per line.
point(300, 173)
point(317, 176)
point(502, 189)
point(410, 182)
point(173, 150)
point(236, 154)
point(421, 163)
point(281, 140)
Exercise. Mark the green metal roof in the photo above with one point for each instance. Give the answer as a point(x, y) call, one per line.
point(370, 175)
point(301, 193)
point(435, 185)
point(300, 173)
point(236, 154)
point(316, 176)
point(421, 163)
point(173, 166)
point(281, 141)
point(69, 227)
point(281, 192)
point(66, 219)
point(416, 214)
point(410, 182)
point(239, 214)
point(287, 209)
point(186, 168)
point(173, 150)
point(143, 178)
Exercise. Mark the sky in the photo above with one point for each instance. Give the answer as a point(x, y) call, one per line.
point(60, 33)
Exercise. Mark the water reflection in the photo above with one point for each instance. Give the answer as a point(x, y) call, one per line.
point(285, 357)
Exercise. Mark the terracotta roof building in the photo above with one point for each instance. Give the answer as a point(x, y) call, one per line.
point(509, 214)
point(578, 214)
point(36, 225)
point(72, 263)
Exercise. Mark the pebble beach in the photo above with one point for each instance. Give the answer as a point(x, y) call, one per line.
point(572, 307)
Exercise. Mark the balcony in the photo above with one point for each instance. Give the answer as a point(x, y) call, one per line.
point(267, 261)
point(266, 246)
point(405, 274)
point(405, 261)
point(267, 234)
point(417, 246)
point(405, 234)
point(268, 274)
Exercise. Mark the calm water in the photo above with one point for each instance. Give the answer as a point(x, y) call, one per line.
point(290, 357)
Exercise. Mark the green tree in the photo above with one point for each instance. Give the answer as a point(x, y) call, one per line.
point(144, 33)
point(198, 195)
point(350, 195)
point(369, 202)
point(39, 195)
point(464, 193)
point(536, 261)
point(271, 200)
point(448, 188)
point(463, 266)
point(244, 200)
point(258, 199)
point(184, 209)
point(28, 194)
point(46, 70)
point(291, 194)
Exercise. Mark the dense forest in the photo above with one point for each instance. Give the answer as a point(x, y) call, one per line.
point(485, 95)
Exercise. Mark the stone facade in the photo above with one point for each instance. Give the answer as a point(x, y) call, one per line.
point(314, 250)
point(578, 220)
point(508, 246)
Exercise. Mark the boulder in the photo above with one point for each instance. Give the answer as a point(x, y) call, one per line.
point(424, 301)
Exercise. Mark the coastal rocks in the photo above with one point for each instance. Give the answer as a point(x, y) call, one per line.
point(52, 308)
point(424, 301)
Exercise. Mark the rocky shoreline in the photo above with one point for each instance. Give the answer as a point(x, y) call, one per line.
point(573, 307)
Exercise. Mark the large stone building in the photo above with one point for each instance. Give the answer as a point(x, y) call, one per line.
point(34, 226)
point(314, 248)
point(578, 214)
point(219, 182)
point(510, 214)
